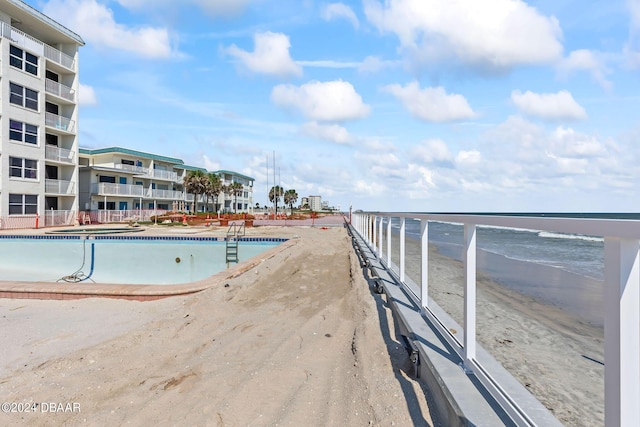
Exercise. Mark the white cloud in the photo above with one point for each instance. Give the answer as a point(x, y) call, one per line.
point(568, 143)
point(339, 10)
point(333, 132)
point(96, 24)
point(373, 64)
point(468, 158)
point(86, 95)
point(432, 104)
point(548, 106)
point(489, 35)
point(212, 7)
point(324, 101)
point(585, 60)
point(432, 151)
point(270, 56)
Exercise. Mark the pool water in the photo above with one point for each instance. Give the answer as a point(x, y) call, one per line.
point(155, 261)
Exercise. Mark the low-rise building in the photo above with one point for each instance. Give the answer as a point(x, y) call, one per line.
point(119, 184)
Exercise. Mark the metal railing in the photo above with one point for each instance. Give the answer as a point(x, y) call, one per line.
point(109, 216)
point(165, 194)
point(60, 90)
point(59, 218)
point(58, 186)
point(161, 174)
point(132, 168)
point(621, 295)
point(21, 39)
point(62, 155)
point(59, 122)
point(108, 189)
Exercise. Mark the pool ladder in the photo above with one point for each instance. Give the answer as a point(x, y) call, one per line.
point(233, 239)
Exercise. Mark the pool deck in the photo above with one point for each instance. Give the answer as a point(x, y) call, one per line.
point(64, 290)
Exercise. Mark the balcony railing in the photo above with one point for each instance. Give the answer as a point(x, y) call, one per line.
point(57, 186)
point(108, 189)
point(166, 194)
point(60, 90)
point(156, 173)
point(136, 169)
point(60, 122)
point(34, 45)
point(59, 154)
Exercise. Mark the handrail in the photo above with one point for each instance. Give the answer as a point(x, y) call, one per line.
point(621, 294)
point(234, 230)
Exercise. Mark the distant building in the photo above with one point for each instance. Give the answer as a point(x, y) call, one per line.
point(119, 183)
point(315, 203)
point(39, 121)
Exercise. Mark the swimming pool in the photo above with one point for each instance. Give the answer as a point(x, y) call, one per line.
point(119, 259)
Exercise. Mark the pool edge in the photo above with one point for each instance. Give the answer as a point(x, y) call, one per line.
point(67, 291)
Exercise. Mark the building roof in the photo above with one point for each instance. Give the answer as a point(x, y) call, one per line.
point(235, 173)
point(177, 163)
point(24, 7)
point(191, 168)
point(132, 153)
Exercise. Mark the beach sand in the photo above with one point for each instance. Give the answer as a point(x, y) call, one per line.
point(556, 355)
point(297, 340)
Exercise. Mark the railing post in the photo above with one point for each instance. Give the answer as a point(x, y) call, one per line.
point(374, 235)
point(403, 222)
point(469, 293)
point(389, 243)
point(424, 244)
point(380, 238)
point(621, 332)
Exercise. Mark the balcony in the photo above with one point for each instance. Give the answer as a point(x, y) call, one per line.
point(160, 174)
point(131, 168)
point(34, 45)
point(60, 122)
point(60, 90)
point(165, 194)
point(57, 154)
point(108, 189)
point(57, 186)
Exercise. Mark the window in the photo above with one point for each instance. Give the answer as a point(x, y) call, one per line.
point(23, 60)
point(23, 168)
point(52, 139)
point(23, 132)
point(23, 96)
point(110, 206)
point(109, 179)
point(23, 204)
point(128, 162)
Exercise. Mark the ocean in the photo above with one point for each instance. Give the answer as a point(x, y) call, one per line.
point(565, 270)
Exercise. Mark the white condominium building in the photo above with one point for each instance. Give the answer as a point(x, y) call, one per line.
point(38, 117)
point(119, 184)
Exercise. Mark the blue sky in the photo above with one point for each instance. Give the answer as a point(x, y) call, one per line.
point(412, 105)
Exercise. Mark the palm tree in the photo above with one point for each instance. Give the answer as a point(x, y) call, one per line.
point(290, 197)
point(236, 189)
point(214, 188)
point(195, 183)
point(274, 195)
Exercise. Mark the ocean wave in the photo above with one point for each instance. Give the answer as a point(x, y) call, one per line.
point(551, 235)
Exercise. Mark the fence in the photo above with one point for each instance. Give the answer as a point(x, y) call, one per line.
point(621, 295)
point(109, 216)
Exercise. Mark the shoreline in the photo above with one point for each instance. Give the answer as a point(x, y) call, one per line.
point(551, 351)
